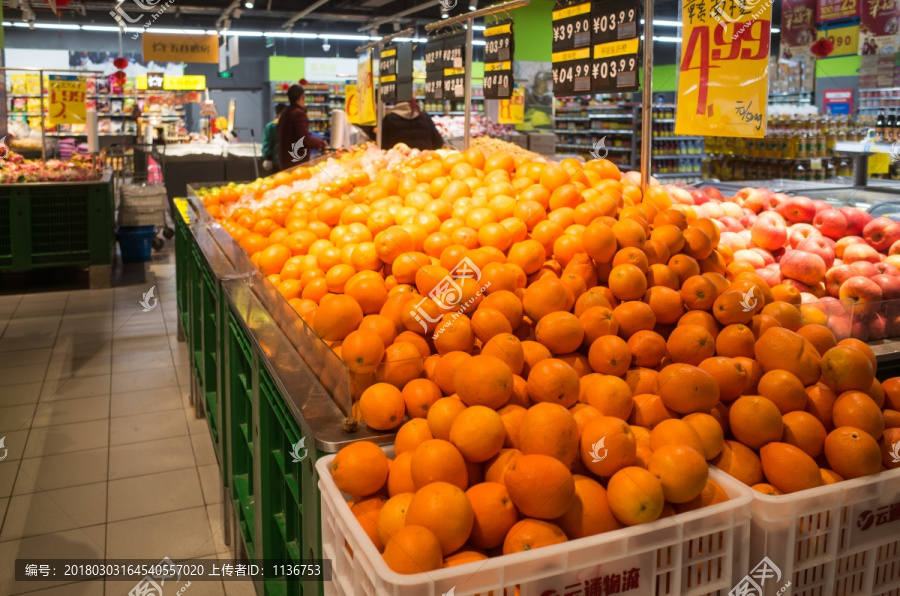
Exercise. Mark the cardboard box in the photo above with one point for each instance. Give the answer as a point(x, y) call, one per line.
point(543, 143)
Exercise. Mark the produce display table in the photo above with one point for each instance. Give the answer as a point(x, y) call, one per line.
point(259, 396)
point(52, 224)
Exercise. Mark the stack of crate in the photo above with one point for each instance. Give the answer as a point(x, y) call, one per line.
point(143, 205)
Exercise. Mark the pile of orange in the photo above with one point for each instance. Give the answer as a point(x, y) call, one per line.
point(581, 381)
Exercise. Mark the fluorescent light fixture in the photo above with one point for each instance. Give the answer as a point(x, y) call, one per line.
point(234, 33)
point(665, 38)
point(478, 42)
point(99, 28)
point(347, 37)
point(478, 27)
point(444, 15)
point(776, 30)
point(248, 4)
point(664, 23)
point(177, 31)
point(7, 24)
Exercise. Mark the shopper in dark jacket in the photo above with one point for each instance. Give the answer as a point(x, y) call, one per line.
point(270, 140)
point(294, 138)
point(408, 124)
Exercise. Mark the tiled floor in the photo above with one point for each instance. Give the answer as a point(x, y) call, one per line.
point(105, 457)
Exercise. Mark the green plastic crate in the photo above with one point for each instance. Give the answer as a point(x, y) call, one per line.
point(183, 241)
point(50, 225)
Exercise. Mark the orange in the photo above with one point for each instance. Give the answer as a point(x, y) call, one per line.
point(506, 303)
point(399, 477)
point(731, 307)
point(419, 395)
point(755, 421)
point(360, 469)
point(273, 258)
point(862, 347)
point(702, 318)
point(461, 557)
point(420, 343)
point(609, 355)
point(691, 344)
point(445, 370)
point(589, 513)
point(845, 368)
point(767, 489)
point(697, 244)
point(666, 304)
point(684, 266)
point(494, 514)
point(454, 333)
point(820, 336)
point(628, 232)
point(820, 403)
point(804, 431)
point(412, 434)
point(597, 322)
point(487, 322)
point(633, 256)
point(445, 510)
point(413, 549)
point(789, 468)
point(528, 254)
point(852, 453)
point(610, 395)
point(382, 407)
point(545, 296)
point(830, 476)
point(549, 429)
point(540, 486)
point(712, 436)
point(392, 516)
point(495, 468)
point(735, 340)
point(592, 297)
point(889, 447)
point(552, 380)
point(649, 410)
point(607, 446)
point(512, 415)
point(362, 350)
point(647, 348)
point(687, 389)
point(508, 348)
point(478, 433)
point(681, 471)
point(730, 376)
point(856, 409)
point(711, 494)
point(402, 363)
point(560, 332)
point(599, 242)
point(761, 323)
point(337, 316)
point(442, 414)
point(627, 282)
point(635, 496)
point(784, 390)
point(485, 381)
point(892, 393)
point(676, 432)
point(739, 461)
point(783, 349)
point(633, 317)
point(529, 534)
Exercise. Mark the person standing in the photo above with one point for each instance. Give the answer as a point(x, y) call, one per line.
point(294, 138)
point(407, 123)
point(270, 141)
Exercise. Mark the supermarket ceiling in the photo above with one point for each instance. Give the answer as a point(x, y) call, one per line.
point(344, 16)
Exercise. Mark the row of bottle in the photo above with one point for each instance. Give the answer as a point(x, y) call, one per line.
point(816, 170)
point(794, 138)
point(678, 166)
point(887, 128)
point(684, 147)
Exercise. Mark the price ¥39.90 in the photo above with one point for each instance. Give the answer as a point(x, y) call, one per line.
point(567, 31)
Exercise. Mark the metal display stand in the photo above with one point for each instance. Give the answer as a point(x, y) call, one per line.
point(861, 152)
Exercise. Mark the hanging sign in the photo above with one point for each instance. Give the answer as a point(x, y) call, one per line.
point(879, 26)
point(723, 72)
point(512, 110)
point(67, 99)
point(498, 61)
point(165, 47)
point(454, 61)
point(350, 104)
point(836, 10)
point(571, 69)
point(798, 22)
point(365, 90)
point(615, 46)
point(387, 74)
point(176, 83)
point(434, 69)
point(845, 39)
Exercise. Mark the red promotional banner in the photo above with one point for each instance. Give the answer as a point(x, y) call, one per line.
point(880, 17)
point(835, 10)
point(798, 22)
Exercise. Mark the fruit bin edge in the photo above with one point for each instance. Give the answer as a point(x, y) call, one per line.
point(679, 540)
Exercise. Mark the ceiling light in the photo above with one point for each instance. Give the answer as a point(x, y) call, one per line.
point(248, 5)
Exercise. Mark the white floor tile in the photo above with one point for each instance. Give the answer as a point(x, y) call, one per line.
point(74, 387)
point(147, 427)
point(16, 417)
point(144, 379)
point(25, 358)
point(122, 363)
point(150, 457)
point(204, 452)
point(211, 483)
point(145, 402)
point(178, 535)
point(67, 438)
point(55, 511)
point(83, 543)
point(61, 471)
point(16, 395)
point(154, 493)
point(140, 344)
point(22, 374)
point(68, 411)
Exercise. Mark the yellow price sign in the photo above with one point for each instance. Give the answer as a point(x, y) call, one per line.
point(351, 106)
point(512, 110)
point(844, 39)
point(67, 99)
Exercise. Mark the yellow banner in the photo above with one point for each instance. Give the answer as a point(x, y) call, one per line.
point(67, 99)
point(388, 79)
point(165, 47)
point(365, 90)
point(495, 66)
point(845, 40)
point(723, 73)
point(389, 53)
point(616, 48)
point(449, 72)
point(572, 11)
point(498, 30)
point(571, 55)
point(351, 105)
point(179, 83)
point(512, 110)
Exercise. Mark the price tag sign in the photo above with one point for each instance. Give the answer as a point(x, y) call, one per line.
point(67, 99)
point(498, 57)
point(454, 83)
point(615, 67)
point(434, 69)
point(845, 39)
point(387, 64)
point(572, 27)
point(388, 86)
point(454, 54)
point(572, 72)
point(498, 80)
point(614, 20)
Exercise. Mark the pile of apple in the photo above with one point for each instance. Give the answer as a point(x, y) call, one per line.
point(843, 261)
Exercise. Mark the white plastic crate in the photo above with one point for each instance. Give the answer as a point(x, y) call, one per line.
point(842, 539)
point(142, 217)
point(144, 196)
point(696, 553)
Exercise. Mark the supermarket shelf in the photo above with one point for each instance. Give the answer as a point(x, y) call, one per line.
point(573, 119)
point(607, 131)
point(685, 156)
point(611, 116)
point(663, 120)
point(677, 138)
point(84, 134)
point(678, 175)
point(628, 149)
point(878, 89)
point(563, 131)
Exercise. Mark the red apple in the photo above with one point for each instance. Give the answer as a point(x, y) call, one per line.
point(837, 276)
point(733, 240)
point(856, 219)
point(803, 266)
point(750, 256)
point(831, 223)
point(890, 286)
point(752, 198)
point(885, 268)
point(731, 224)
point(860, 252)
point(894, 249)
point(842, 244)
point(769, 231)
point(860, 289)
point(766, 255)
point(864, 268)
point(775, 201)
point(822, 206)
point(881, 233)
point(770, 274)
point(714, 193)
point(800, 232)
point(798, 210)
point(819, 246)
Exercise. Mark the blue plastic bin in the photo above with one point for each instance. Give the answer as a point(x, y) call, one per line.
point(136, 243)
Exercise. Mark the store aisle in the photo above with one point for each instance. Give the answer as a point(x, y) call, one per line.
point(105, 457)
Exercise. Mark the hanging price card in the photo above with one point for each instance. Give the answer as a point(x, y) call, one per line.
point(434, 69)
point(723, 73)
point(572, 72)
point(454, 83)
point(388, 86)
point(498, 43)
point(615, 67)
point(387, 64)
point(614, 20)
point(571, 57)
point(454, 60)
point(498, 80)
point(572, 27)
point(498, 56)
